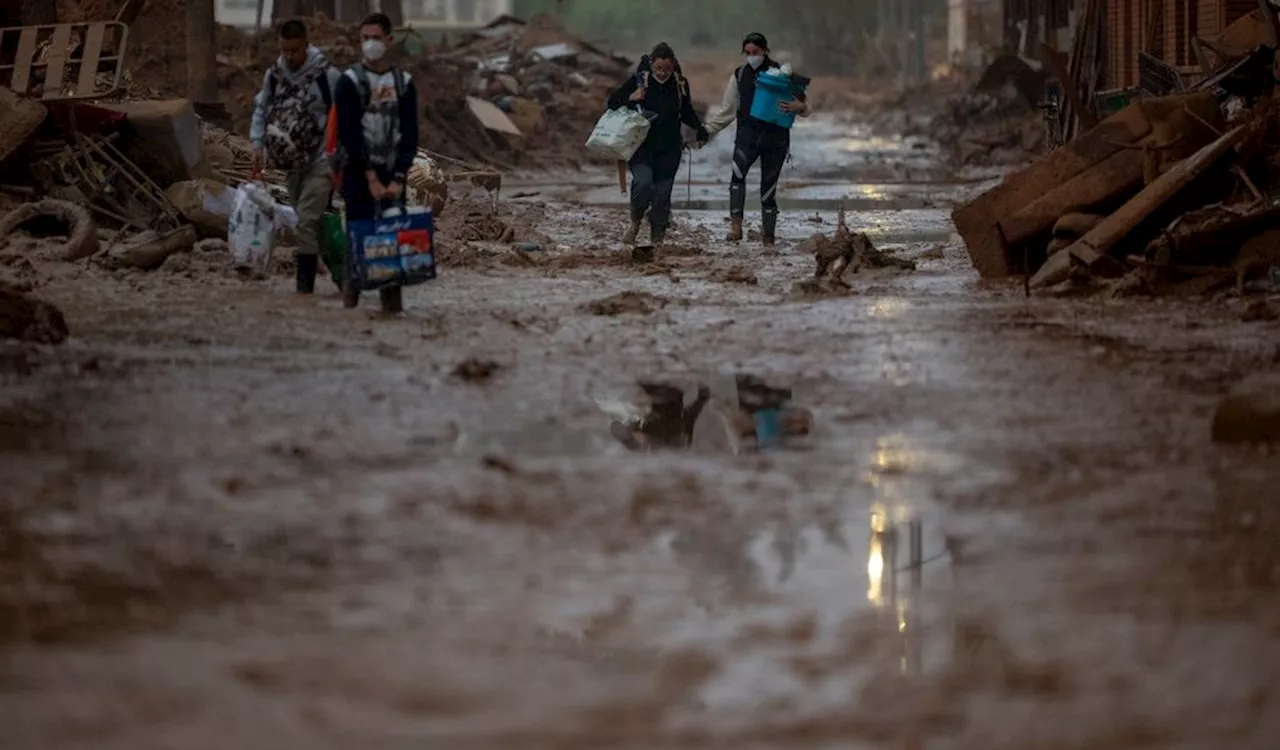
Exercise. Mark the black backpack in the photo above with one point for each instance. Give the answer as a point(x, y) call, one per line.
point(293, 136)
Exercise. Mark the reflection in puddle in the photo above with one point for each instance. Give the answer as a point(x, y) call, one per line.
point(885, 591)
point(888, 307)
point(748, 414)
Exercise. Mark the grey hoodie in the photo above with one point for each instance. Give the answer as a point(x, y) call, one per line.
point(315, 59)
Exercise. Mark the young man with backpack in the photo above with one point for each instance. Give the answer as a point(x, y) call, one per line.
point(756, 139)
point(289, 118)
point(376, 110)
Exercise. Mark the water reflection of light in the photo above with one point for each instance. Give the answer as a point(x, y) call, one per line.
point(875, 571)
point(870, 143)
point(873, 192)
point(888, 307)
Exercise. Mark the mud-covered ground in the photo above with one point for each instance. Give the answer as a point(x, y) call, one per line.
point(233, 517)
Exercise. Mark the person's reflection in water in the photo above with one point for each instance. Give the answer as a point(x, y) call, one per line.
point(670, 422)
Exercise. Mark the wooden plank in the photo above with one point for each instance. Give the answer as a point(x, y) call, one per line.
point(1092, 248)
point(58, 51)
point(1111, 180)
point(21, 81)
point(89, 59)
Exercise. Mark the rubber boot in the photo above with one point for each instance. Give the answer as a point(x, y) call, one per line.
point(769, 226)
point(350, 297)
point(737, 204)
point(629, 238)
point(656, 236)
point(307, 273)
point(392, 300)
point(735, 230)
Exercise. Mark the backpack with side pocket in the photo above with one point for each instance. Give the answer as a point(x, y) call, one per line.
point(334, 152)
point(293, 136)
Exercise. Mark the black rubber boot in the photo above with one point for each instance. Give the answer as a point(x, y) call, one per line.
point(350, 296)
point(656, 236)
point(307, 273)
point(769, 226)
point(392, 300)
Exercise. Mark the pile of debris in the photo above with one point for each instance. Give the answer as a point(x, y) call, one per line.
point(534, 82)
point(983, 129)
point(844, 252)
point(513, 92)
point(1172, 194)
point(995, 120)
point(131, 185)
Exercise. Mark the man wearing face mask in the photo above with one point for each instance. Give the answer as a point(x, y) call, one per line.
point(289, 117)
point(756, 139)
point(662, 94)
point(377, 119)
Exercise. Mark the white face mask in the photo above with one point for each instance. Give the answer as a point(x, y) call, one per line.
point(755, 61)
point(373, 49)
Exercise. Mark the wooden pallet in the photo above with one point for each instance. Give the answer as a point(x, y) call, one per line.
point(71, 54)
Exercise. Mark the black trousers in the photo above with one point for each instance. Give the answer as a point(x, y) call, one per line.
point(653, 175)
point(770, 149)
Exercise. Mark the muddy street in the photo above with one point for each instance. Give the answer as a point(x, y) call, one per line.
point(234, 516)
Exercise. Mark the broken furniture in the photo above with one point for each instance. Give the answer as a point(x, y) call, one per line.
point(66, 61)
point(1007, 228)
point(92, 170)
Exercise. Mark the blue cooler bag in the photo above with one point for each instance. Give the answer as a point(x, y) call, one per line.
point(397, 249)
point(770, 91)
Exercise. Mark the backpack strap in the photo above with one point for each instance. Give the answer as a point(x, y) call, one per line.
point(362, 85)
point(326, 95)
point(366, 92)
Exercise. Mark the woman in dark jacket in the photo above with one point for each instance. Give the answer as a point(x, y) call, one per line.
point(662, 94)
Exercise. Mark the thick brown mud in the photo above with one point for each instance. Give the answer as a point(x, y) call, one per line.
point(237, 517)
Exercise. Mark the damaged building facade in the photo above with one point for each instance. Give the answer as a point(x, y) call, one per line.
point(1175, 31)
point(1179, 32)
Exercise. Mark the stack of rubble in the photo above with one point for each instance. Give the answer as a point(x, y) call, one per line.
point(1173, 194)
point(536, 80)
point(514, 92)
point(993, 120)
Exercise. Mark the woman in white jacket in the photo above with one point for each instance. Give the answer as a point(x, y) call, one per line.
point(756, 139)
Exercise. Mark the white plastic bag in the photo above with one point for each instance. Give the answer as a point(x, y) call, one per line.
point(251, 228)
point(619, 133)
